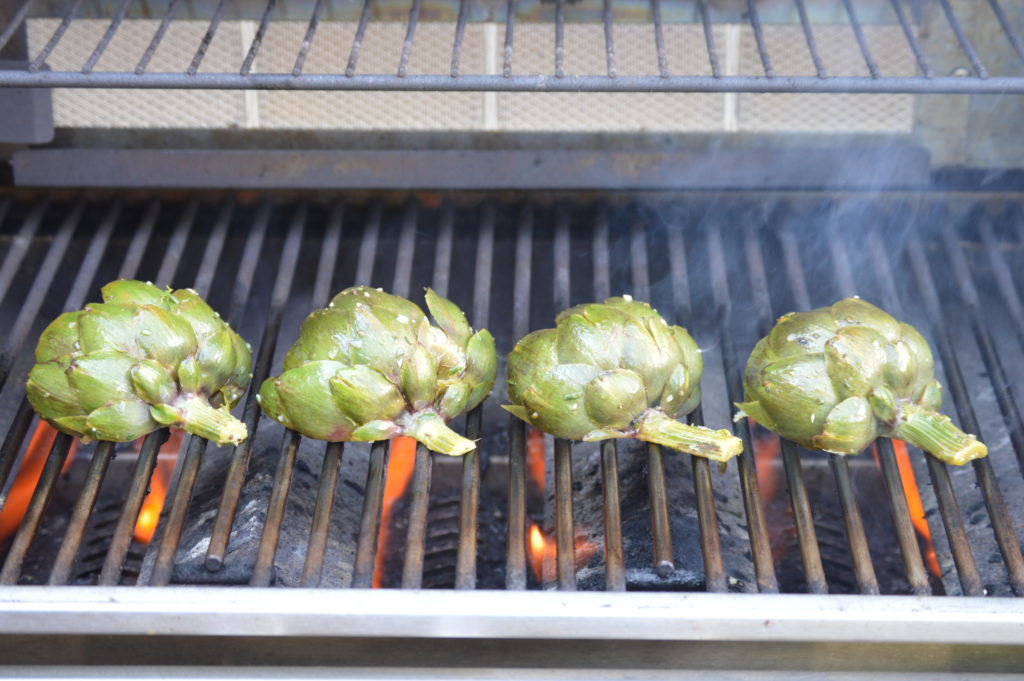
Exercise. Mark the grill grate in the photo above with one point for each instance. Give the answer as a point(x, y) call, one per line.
point(724, 266)
point(657, 76)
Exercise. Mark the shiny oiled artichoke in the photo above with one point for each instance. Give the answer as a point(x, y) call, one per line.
point(837, 377)
point(614, 370)
point(370, 366)
point(142, 359)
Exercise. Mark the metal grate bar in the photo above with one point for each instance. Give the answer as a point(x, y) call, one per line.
point(368, 246)
point(1003, 276)
point(862, 42)
point(98, 464)
point(659, 38)
point(16, 21)
point(760, 548)
point(709, 38)
point(357, 40)
point(20, 242)
point(410, 34)
point(55, 38)
point(263, 571)
point(251, 414)
point(313, 567)
point(614, 562)
point(165, 544)
point(140, 68)
point(412, 565)
point(803, 518)
point(510, 27)
point(307, 41)
point(910, 549)
point(41, 497)
point(707, 519)
point(204, 44)
point(257, 40)
point(609, 40)
point(460, 34)
point(214, 249)
point(915, 46)
point(443, 253)
point(176, 246)
point(812, 47)
point(762, 48)
point(12, 444)
point(559, 38)
point(369, 519)
point(965, 43)
point(565, 536)
point(997, 9)
point(108, 35)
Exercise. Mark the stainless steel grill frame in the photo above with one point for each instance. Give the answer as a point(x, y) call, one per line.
point(975, 237)
point(659, 79)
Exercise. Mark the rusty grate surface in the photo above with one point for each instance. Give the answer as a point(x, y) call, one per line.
point(587, 46)
point(722, 265)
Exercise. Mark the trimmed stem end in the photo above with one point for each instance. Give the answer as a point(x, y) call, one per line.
point(431, 430)
point(717, 445)
point(935, 433)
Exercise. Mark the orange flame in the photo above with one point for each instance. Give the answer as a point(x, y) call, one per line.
point(535, 467)
point(915, 507)
point(28, 476)
point(149, 514)
point(766, 456)
point(543, 550)
point(401, 462)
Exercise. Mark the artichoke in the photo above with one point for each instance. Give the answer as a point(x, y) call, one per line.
point(370, 366)
point(142, 359)
point(837, 377)
point(614, 370)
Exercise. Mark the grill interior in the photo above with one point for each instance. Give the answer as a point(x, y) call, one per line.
point(620, 515)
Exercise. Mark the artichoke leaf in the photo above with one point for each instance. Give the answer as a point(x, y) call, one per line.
point(449, 317)
point(131, 292)
point(120, 422)
point(60, 338)
point(101, 378)
point(307, 402)
point(363, 394)
point(855, 357)
point(849, 427)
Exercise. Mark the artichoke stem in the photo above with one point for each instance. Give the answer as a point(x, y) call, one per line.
point(430, 429)
point(717, 445)
point(195, 415)
point(935, 433)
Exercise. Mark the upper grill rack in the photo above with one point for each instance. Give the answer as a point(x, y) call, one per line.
point(658, 75)
point(688, 268)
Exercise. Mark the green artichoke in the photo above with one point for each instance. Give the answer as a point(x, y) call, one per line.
point(838, 377)
point(142, 359)
point(370, 366)
point(614, 370)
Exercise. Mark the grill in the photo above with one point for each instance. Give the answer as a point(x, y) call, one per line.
point(724, 265)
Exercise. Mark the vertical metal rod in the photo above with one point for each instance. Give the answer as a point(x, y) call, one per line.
point(469, 503)
point(565, 535)
point(307, 41)
point(61, 570)
point(953, 520)
point(559, 38)
point(609, 39)
point(812, 47)
point(406, 248)
point(213, 250)
point(328, 256)
point(110, 575)
point(638, 262)
point(760, 548)
point(357, 40)
point(368, 246)
point(863, 568)
point(1011, 34)
point(659, 38)
point(101, 46)
point(42, 283)
point(762, 49)
point(20, 243)
point(204, 44)
point(510, 27)
point(251, 414)
point(560, 293)
point(410, 34)
point(16, 21)
point(176, 245)
point(915, 46)
point(443, 254)
point(171, 526)
point(257, 40)
point(140, 241)
point(460, 34)
point(55, 38)
point(161, 30)
point(33, 517)
point(709, 38)
point(412, 564)
point(614, 560)
point(263, 571)
point(369, 520)
point(664, 563)
point(12, 443)
point(910, 549)
point(803, 519)
point(602, 264)
point(1002, 523)
point(515, 560)
point(1003, 276)
point(961, 37)
point(312, 569)
point(707, 519)
point(862, 42)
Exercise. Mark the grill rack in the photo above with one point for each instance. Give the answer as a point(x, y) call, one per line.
point(659, 79)
point(916, 211)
